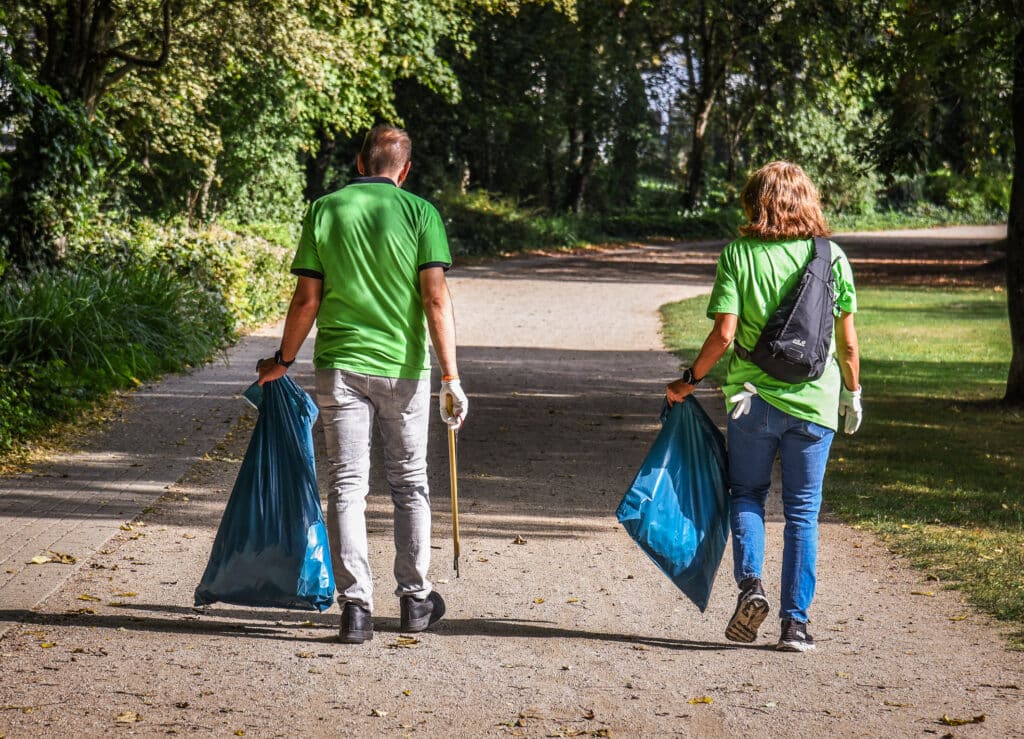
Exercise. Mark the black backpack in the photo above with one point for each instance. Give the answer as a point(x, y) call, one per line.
point(794, 343)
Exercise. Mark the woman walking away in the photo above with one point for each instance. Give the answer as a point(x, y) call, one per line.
point(770, 416)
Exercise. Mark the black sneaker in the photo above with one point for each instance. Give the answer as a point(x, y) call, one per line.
point(794, 637)
point(356, 624)
point(418, 615)
point(751, 609)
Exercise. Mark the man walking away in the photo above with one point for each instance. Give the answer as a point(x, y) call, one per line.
point(371, 266)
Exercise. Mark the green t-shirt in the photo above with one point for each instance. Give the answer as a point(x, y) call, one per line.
point(368, 242)
point(753, 278)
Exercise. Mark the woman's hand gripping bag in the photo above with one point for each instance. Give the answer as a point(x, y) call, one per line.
point(677, 508)
point(271, 548)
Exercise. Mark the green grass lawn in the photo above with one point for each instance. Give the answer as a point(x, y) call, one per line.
point(937, 469)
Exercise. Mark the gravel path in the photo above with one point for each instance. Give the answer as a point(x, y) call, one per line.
point(558, 625)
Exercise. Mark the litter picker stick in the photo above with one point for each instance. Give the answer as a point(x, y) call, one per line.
point(453, 476)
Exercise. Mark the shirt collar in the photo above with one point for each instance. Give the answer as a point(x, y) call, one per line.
point(375, 180)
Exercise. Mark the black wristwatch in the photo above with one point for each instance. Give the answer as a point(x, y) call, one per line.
point(689, 378)
point(280, 361)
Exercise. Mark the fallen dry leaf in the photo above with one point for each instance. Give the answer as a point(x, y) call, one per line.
point(128, 594)
point(48, 644)
point(404, 642)
point(90, 598)
point(701, 699)
point(39, 559)
point(958, 618)
point(378, 713)
point(406, 692)
point(928, 593)
point(962, 721)
point(128, 717)
point(519, 540)
point(538, 601)
point(573, 600)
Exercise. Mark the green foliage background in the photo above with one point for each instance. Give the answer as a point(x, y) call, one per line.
point(184, 138)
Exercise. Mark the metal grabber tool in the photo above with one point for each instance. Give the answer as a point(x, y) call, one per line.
point(454, 477)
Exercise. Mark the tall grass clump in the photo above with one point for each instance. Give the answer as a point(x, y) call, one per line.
point(67, 338)
point(131, 302)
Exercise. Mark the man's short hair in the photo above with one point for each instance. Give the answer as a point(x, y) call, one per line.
point(385, 149)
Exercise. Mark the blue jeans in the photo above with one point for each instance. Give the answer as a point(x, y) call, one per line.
point(754, 440)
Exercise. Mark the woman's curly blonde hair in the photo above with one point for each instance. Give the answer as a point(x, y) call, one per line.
point(781, 202)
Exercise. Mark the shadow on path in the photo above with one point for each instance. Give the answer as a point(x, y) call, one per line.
point(284, 627)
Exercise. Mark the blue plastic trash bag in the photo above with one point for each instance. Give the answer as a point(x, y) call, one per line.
point(677, 508)
point(271, 548)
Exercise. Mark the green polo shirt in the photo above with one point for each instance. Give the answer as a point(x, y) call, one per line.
point(753, 277)
point(368, 242)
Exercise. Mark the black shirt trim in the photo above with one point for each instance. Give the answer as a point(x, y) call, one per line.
point(443, 265)
point(374, 180)
point(307, 273)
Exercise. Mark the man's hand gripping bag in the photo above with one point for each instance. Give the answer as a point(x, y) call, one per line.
point(271, 548)
point(677, 508)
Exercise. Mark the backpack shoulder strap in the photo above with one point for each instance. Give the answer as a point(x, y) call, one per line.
point(822, 248)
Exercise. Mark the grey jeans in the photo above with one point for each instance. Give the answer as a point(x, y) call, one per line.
point(349, 403)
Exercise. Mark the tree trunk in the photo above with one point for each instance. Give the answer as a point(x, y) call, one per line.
point(716, 53)
point(695, 162)
point(1015, 234)
point(581, 169)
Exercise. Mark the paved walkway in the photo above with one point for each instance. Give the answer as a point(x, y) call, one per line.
point(558, 625)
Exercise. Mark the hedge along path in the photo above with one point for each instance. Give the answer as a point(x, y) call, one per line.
point(558, 623)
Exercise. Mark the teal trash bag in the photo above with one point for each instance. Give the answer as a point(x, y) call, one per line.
point(271, 547)
point(677, 508)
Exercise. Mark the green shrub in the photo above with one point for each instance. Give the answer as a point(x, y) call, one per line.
point(922, 215)
point(710, 224)
point(483, 223)
point(248, 274)
point(132, 301)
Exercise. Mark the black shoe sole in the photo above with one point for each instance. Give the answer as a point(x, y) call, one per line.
point(355, 637)
point(747, 619)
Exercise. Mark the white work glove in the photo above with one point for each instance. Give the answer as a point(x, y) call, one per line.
point(453, 402)
point(742, 400)
point(850, 407)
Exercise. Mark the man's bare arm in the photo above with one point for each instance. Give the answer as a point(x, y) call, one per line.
point(440, 313)
point(301, 317)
